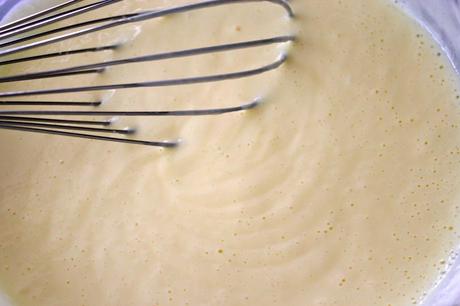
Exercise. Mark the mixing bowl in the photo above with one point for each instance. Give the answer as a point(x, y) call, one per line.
point(442, 19)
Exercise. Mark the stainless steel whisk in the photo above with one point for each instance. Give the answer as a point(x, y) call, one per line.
point(14, 39)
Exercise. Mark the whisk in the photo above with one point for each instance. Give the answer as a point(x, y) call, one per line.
point(14, 38)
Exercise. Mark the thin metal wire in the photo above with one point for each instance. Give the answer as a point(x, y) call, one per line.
point(53, 120)
point(66, 28)
point(163, 144)
point(58, 54)
point(148, 58)
point(38, 14)
point(161, 83)
point(139, 18)
point(54, 129)
point(36, 24)
point(128, 131)
point(199, 112)
point(56, 75)
point(54, 103)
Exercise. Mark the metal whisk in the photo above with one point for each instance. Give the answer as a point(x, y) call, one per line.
point(14, 38)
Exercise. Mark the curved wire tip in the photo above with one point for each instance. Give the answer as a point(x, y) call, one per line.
point(130, 131)
point(252, 105)
point(170, 144)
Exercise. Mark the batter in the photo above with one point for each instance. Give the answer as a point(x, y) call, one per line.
point(342, 188)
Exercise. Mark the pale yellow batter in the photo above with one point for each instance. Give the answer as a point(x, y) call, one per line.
point(342, 188)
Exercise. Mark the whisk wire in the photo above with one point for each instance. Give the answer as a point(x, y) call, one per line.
point(98, 67)
point(160, 83)
point(176, 113)
point(128, 131)
point(163, 144)
point(139, 18)
point(54, 120)
point(58, 54)
point(53, 103)
point(66, 28)
point(38, 14)
point(36, 24)
point(50, 121)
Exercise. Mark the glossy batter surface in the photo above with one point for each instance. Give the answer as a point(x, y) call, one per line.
point(342, 188)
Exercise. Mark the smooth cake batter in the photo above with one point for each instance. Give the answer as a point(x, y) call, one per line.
point(342, 188)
